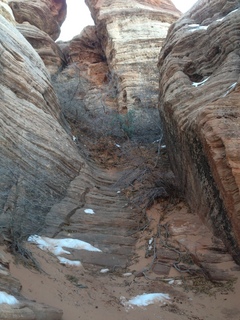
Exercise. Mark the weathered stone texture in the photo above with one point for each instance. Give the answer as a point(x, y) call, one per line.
point(48, 50)
point(131, 34)
point(86, 52)
point(46, 15)
point(199, 103)
point(6, 11)
point(35, 149)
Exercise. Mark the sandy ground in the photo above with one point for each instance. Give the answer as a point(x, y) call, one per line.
point(85, 293)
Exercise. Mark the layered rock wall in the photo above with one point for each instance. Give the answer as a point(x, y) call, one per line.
point(46, 15)
point(38, 156)
point(131, 35)
point(199, 104)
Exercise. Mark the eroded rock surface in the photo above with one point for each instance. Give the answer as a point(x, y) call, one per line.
point(199, 103)
point(38, 156)
point(48, 50)
point(131, 36)
point(46, 15)
point(6, 11)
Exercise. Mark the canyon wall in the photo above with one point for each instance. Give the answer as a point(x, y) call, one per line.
point(111, 68)
point(199, 104)
point(37, 154)
point(131, 35)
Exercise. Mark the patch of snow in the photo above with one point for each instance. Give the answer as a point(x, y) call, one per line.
point(176, 282)
point(233, 11)
point(56, 245)
point(150, 241)
point(145, 300)
point(221, 19)
point(197, 84)
point(74, 138)
point(117, 145)
point(156, 141)
point(231, 88)
point(7, 298)
point(104, 270)
point(118, 191)
point(89, 211)
point(127, 274)
point(69, 262)
point(194, 27)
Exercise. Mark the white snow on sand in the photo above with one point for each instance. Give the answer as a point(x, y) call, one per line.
point(55, 246)
point(7, 298)
point(68, 262)
point(89, 211)
point(145, 300)
point(104, 270)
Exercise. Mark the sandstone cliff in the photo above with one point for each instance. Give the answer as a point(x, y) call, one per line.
point(131, 35)
point(199, 103)
point(112, 67)
point(40, 22)
point(46, 15)
point(38, 156)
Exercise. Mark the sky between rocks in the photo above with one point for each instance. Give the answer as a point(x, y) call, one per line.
point(78, 16)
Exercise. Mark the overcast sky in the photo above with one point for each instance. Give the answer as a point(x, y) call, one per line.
point(78, 16)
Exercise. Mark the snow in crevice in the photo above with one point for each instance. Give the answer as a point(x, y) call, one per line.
point(197, 84)
point(7, 298)
point(230, 89)
point(221, 19)
point(196, 27)
point(145, 300)
point(55, 246)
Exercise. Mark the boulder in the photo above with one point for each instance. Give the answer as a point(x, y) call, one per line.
point(199, 106)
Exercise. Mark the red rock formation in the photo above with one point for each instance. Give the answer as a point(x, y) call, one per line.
point(86, 52)
point(131, 34)
point(199, 103)
point(46, 15)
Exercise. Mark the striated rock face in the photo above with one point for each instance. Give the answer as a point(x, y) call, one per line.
point(46, 15)
point(131, 34)
point(86, 52)
point(199, 104)
point(6, 11)
point(39, 22)
point(48, 50)
point(38, 157)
